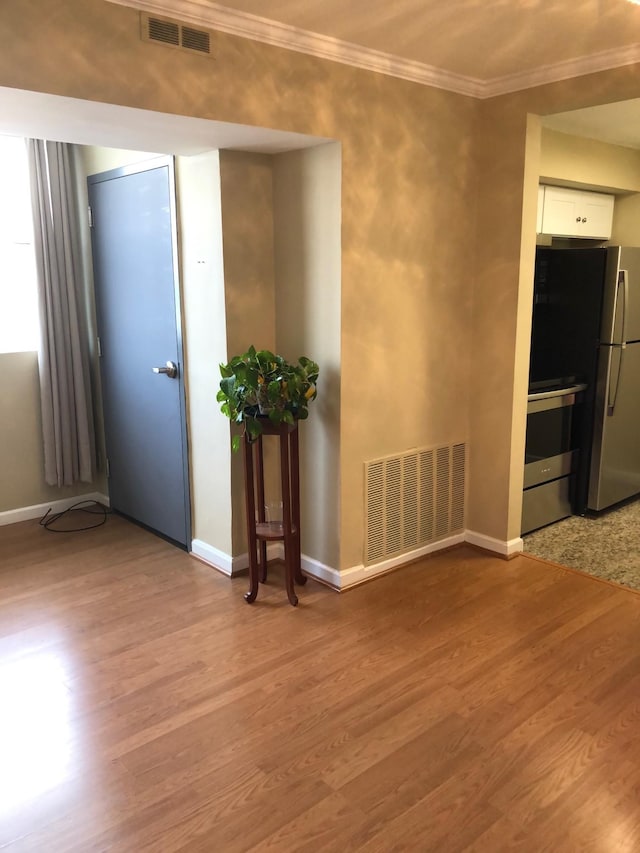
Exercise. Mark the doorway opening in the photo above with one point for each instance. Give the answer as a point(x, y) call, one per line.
point(196, 144)
point(594, 153)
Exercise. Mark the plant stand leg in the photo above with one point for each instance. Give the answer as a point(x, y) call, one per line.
point(295, 506)
point(289, 541)
point(250, 596)
point(262, 545)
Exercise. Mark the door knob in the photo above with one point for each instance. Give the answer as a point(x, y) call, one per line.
point(171, 370)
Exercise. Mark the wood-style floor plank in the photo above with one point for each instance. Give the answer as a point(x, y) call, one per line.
point(463, 703)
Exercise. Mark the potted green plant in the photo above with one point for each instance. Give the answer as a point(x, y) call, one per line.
point(260, 384)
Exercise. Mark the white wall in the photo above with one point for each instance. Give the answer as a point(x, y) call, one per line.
point(98, 160)
point(205, 346)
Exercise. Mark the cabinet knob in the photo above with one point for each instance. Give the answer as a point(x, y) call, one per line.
point(585, 219)
point(578, 219)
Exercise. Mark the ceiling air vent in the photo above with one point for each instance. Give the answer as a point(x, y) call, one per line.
point(175, 34)
point(196, 40)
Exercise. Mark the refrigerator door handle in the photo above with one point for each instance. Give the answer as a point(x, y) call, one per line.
point(624, 275)
point(611, 401)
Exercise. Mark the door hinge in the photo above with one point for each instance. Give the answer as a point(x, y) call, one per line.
point(90, 216)
point(107, 467)
point(99, 347)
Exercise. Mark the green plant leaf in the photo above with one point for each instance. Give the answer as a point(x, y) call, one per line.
point(253, 427)
point(227, 385)
point(273, 390)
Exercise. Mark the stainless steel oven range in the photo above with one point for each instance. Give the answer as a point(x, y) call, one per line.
point(551, 456)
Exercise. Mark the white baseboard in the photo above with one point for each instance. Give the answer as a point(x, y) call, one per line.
point(27, 513)
point(320, 572)
point(212, 556)
point(356, 574)
point(231, 566)
point(227, 564)
point(498, 546)
point(359, 574)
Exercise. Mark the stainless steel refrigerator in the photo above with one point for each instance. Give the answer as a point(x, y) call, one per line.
point(615, 456)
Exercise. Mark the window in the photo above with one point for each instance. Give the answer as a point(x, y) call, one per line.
point(18, 292)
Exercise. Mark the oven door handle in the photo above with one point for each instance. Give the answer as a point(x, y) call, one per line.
point(547, 405)
point(545, 401)
point(561, 392)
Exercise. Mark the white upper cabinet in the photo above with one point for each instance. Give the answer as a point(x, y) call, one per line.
point(575, 213)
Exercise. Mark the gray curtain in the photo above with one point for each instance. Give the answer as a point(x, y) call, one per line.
point(67, 420)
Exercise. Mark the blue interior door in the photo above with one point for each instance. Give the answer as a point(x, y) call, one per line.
point(135, 272)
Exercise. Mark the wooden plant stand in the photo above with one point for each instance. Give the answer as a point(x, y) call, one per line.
point(288, 530)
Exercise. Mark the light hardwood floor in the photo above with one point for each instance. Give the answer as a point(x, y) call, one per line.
point(463, 703)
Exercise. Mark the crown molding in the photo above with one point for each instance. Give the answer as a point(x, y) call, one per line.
point(605, 61)
point(215, 16)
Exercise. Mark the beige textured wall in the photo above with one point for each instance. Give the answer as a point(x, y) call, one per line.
point(246, 182)
point(408, 221)
point(307, 205)
point(205, 345)
point(500, 149)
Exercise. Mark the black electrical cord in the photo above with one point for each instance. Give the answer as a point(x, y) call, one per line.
point(89, 507)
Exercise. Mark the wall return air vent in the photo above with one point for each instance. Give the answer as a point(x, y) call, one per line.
point(413, 499)
point(175, 34)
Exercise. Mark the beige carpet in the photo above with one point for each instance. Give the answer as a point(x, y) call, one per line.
point(607, 546)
